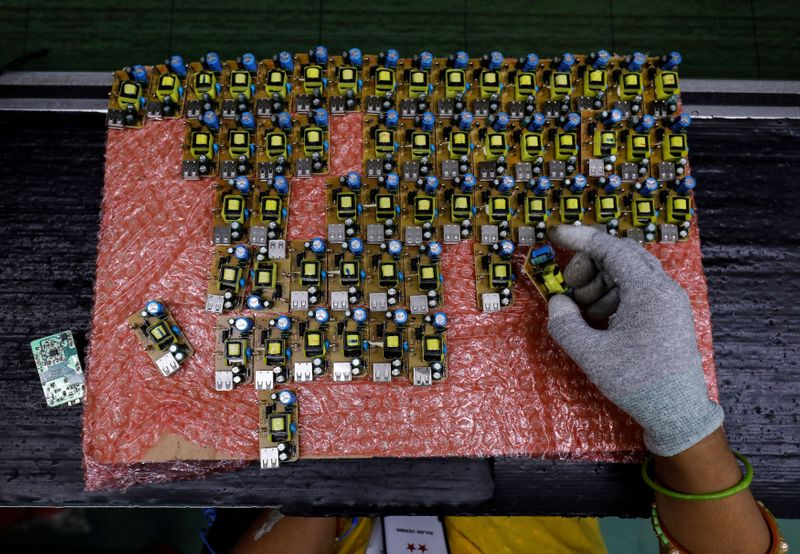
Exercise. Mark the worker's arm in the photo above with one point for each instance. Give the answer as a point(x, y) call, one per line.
point(646, 361)
point(272, 533)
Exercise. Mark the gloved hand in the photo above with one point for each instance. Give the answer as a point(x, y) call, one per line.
point(647, 361)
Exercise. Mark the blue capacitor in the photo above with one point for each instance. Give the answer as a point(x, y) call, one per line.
point(681, 123)
point(500, 121)
point(241, 252)
point(211, 120)
point(601, 59)
point(391, 58)
point(356, 59)
point(392, 182)
point(283, 323)
point(400, 316)
point(505, 248)
point(394, 247)
point(213, 62)
point(638, 59)
point(248, 121)
point(434, 250)
point(427, 121)
point(686, 185)
point(285, 121)
point(317, 245)
point(645, 123)
point(321, 118)
point(531, 63)
point(577, 184)
point(321, 55)
point(542, 255)
point(249, 62)
point(243, 324)
point(541, 185)
point(154, 308)
point(242, 184)
point(139, 74)
point(465, 120)
point(673, 60)
point(322, 315)
point(572, 121)
point(495, 60)
point(287, 397)
point(613, 182)
point(177, 66)
point(353, 181)
point(254, 302)
point(506, 184)
point(425, 60)
point(536, 122)
point(461, 60)
point(431, 184)
point(439, 320)
point(281, 184)
point(612, 118)
point(468, 182)
point(286, 60)
point(649, 186)
point(356, 246)
point(392, 118)
point(566, 62)
point(360, 315)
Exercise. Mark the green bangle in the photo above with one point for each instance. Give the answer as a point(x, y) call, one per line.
point(738, 487)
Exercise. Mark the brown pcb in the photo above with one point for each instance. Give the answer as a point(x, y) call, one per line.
point(160, 336)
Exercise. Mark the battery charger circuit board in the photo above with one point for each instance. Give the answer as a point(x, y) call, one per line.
point(489, 149)
point(59, 369)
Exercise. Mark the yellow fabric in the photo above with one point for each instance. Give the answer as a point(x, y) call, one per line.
point(497, 535)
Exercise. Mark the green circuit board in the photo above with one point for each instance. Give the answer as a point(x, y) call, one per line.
point(59, 369)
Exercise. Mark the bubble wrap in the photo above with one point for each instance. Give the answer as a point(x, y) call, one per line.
point(510, 391)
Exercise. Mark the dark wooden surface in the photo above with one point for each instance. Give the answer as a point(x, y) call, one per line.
point(51, 170)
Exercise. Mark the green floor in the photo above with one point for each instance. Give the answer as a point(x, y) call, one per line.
point(733, 39)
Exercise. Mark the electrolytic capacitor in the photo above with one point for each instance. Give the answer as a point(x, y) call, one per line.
point(286, 60)
point(355, 57)
point(505, 249)
point(284, 121)
point(322, 315)
point(644, 123)
point(576, 184)
point(281, 184)
point(425, 60)
point(353, 181)
point(394, 247)
point(600, 59)
point(360, 315)
point(317, 246)
point(400, 316)
point(241, 252)
point(356, 246)
point(648, 186)
point(566, 62)
point(500, 121)
point(611, 118)
point(139, 74)
point(211, 120)
point(154, 308)
point(468, 182)
point(434, 250)
point(505, 184)
point(392, 118)
point(460, 60)
point(680, 123)
point(283, 323)
point(320, 54)
point(254, 302)
point(531, 63)
point(392, 182)
point(321, 118)
point(495, 60)
point(536, 122)
point(177, 66)
point(243, 324)
point(213, 63)
point(431, 184)
point(672, 60)
point(636, 61)
point(427, 121)
point(247, 121)
point(611, 183)
point(242, 184)
point(541, 185)
point(287, 397)
point(465, 120)
point(571, 122)
point(686, 185)
point(439, 320)
point(249, 62)
point(391, 58)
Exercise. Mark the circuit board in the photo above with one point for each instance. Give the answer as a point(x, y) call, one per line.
point(161, 337)
point(59, 369)
point(278, 439)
